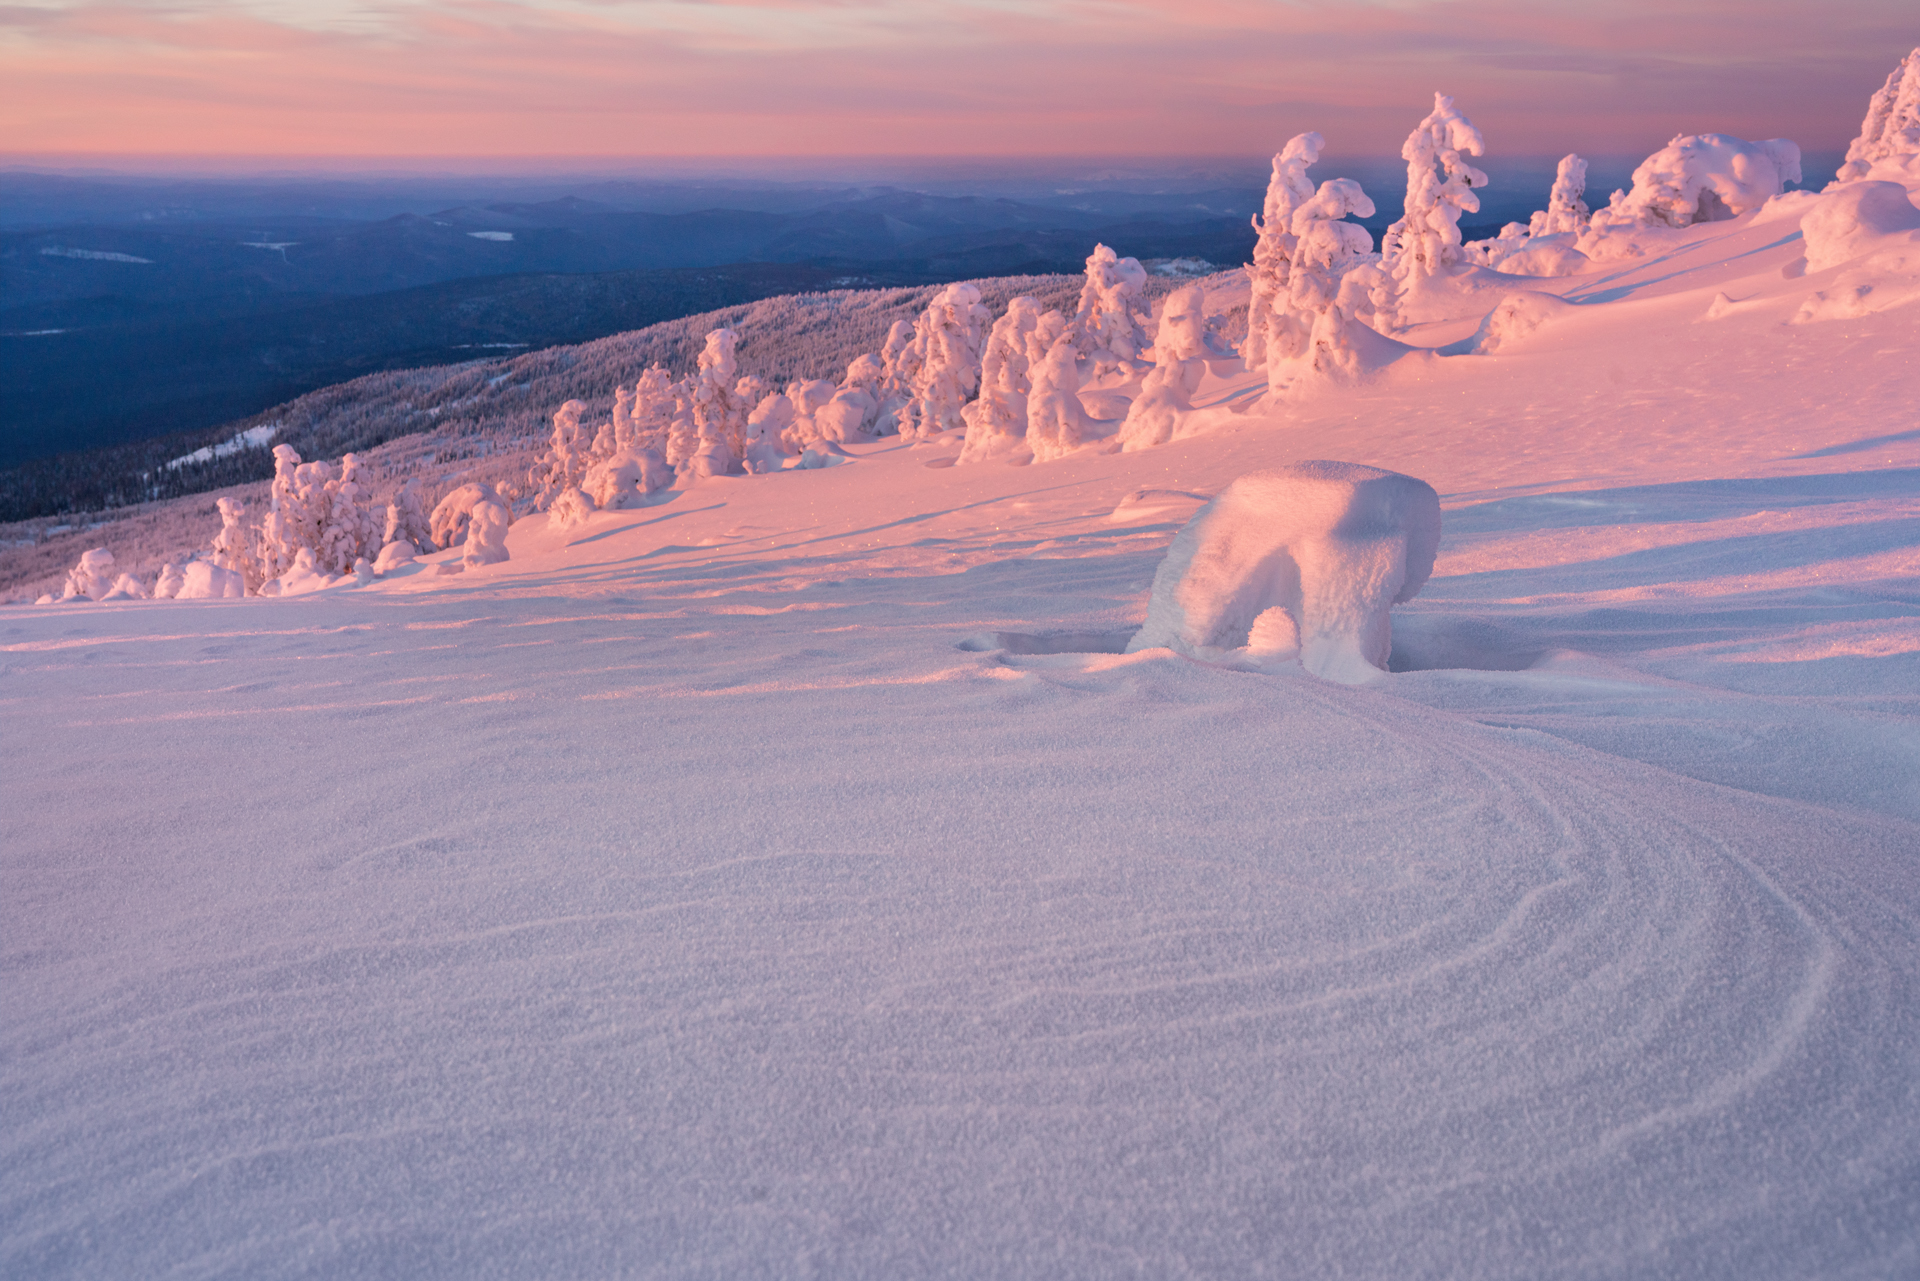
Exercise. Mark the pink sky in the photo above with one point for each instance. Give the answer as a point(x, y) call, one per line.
point(635, 78)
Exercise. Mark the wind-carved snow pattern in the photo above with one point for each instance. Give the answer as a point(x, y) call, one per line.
point(1304, 561)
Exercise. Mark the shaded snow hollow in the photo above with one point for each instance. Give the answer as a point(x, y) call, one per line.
point(790, 879)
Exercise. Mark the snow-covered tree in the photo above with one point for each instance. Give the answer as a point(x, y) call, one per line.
point(762, 446)
point(93, 577)
point(1057, 422)
point(1706, 177)
point(569, 454)
point(1426, 240)
point(1271, 269)
point(454, 513)
point(900, 359)
point(1110, 325)
point(997, 420)
point(407, 518)
point(1180, 349)
point(719, 410)
point(569, 508)
point(231, 546)
point(947, 340)
point(1566, 209)
point(348, 528)
point(1891, 130)
point(486, 535)
point(650, 411)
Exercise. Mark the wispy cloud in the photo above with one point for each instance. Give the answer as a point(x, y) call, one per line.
point(842, 77)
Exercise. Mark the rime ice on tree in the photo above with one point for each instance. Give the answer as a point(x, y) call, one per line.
point(1440, 182)
point(1891, 131)
point(947, 341)
point(997, 420)
point(1109, 329)
point(1271, 269)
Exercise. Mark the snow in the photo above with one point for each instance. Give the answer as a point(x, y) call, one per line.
point(797, 878)
point(251, 438)
point(1303, 561)
point(1858, 218)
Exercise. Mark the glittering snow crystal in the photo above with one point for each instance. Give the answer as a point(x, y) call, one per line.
point(1303, 560)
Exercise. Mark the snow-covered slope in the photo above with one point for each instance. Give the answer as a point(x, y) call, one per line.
point(797, 879)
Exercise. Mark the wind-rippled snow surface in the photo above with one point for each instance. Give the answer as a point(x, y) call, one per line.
point(795, 880)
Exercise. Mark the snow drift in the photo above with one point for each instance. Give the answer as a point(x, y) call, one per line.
point(1304, 560)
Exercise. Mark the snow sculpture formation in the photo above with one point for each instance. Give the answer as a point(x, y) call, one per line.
point(1108, 327)
point(1891, 130)
point(1304, 560)
point(1426, 240)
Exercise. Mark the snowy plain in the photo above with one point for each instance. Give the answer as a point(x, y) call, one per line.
point(797, 879)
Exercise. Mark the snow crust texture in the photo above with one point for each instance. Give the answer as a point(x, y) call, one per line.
point(1303, 561)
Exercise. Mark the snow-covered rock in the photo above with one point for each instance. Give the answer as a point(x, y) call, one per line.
point(1857, 218)
point(1305, 560)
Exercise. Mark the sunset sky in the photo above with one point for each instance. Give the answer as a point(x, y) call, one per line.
point(479, 79)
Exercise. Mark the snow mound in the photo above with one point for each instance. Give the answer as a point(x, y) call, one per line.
point(1706, 177)
point(1855, 219)
point(1305, 560)
point(1546, 256)
point(1516, 318)
point(1143, 503)
point(204, 580)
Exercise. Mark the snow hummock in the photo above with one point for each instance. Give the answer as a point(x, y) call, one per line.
point(1858, 218)
point(1302, 561)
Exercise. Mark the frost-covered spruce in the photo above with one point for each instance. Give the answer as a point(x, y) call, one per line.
point(348, 529)
point(719, 410)
point(947, 338)
point(1891, 130)
point(454, 513)
point(231, 550)
point(1057, 422)
point(1110, 326)
point(899, 365)
point(763, 447)
point(1705, 177)
point(92, 578)
point(407, 518)
point(487, 535)
point(1180, 349)
point(1271, 269)
point(650, 416)
point(1426, 240)
point(997, 419)
point(569, 454)
point(1566, 209)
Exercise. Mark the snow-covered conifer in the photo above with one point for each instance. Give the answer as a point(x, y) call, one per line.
point(1180, 349)
point(93, 577)
point(808, 397)
point(1891, 130)
point(762, 448)
point(1057, 422)
point(997, 420)
point(569, 508)
point(231, 550)
point(569, 454)
point(651, 413)
point(1426, 240)
point(1271, 269)
point(947, 338)
point(900, 359)
point(167, 586)
point(455, 512)
point(1110, 327)
point(407, 517)
point(487, 535)
point(1566, 209)
point(1707, 177)
point(348, 529)
point(719, 413)
point(397, 552)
